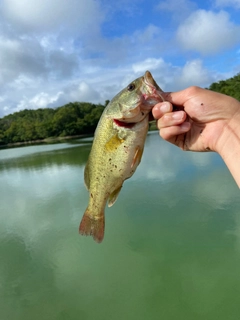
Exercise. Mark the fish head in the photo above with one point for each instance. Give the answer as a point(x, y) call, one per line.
point(134, 102)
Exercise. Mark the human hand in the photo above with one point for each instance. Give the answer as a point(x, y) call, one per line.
point(202, 121)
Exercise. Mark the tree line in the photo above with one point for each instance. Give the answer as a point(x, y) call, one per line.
point(74, 118)
point(231, 86)
point(69, 120)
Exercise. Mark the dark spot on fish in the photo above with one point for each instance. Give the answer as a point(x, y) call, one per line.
point(115, 166)
point(91, 195)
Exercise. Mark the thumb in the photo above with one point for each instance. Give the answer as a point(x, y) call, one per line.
point(177, 98)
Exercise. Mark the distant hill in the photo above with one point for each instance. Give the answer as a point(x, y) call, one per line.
point(74, 118)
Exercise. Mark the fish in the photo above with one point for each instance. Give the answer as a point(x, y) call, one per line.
point(117, 149)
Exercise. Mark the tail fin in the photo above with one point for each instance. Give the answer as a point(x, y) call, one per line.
point(92, 226)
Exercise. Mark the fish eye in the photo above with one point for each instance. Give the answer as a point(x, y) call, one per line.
point(131, 87)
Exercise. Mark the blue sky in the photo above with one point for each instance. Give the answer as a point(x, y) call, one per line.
point(54, 52)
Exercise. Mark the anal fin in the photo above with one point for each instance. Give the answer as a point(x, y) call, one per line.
point(113, 196)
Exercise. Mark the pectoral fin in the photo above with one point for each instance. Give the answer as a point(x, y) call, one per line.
point(137, 157)
point(113, 196)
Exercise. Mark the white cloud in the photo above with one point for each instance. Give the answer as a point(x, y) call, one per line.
point(41, 100)
point(55, 15)
point(83, 92)
point(208, 32)
point(228, 3)
point(148, 64)
point(148, 34)
point(171, 6)
point(193, 73)
point(17, 56)
point(171, 77)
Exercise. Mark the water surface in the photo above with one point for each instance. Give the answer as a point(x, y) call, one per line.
point(171, 248)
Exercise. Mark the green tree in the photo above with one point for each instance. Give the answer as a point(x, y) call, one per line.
point(230, 86)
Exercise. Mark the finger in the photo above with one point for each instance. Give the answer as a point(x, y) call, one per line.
point(171, 134)
point(179, 98)
point(161, 108)
point(171, 119)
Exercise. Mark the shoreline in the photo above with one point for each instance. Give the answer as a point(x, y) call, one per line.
point(42, 141)
point(152, 127)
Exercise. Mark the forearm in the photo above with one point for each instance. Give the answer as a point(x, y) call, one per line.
point(229, 148)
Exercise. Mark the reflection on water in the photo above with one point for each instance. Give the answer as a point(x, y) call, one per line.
point(171, 248)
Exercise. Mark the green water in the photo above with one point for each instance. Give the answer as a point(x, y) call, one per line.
point(171, 248)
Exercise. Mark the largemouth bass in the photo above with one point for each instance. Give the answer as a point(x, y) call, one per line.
point(117, 149)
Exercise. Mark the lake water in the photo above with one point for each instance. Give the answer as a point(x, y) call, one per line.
point(171, 248)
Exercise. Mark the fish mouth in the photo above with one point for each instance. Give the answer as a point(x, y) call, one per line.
point(153, 95)
point(123, 124)
point(149, 80)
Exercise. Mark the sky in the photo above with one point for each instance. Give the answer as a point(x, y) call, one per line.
point(53, 52)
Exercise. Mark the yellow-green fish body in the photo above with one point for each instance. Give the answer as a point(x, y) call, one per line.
point(117, 149)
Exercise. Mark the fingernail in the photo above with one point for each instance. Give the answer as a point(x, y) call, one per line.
point(178, 115)
point(165, 107)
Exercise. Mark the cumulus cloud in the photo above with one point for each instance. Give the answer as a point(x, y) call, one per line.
point(20, 56)
point(208, 32)
point(193, 73)
point(42, 99)
point(171, 77)
point(148, 64)
point(82, 92)
point(51, 16)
